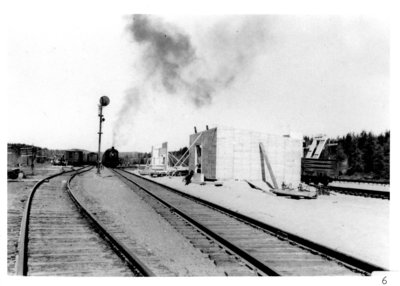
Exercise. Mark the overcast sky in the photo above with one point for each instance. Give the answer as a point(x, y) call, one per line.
point(165, 74)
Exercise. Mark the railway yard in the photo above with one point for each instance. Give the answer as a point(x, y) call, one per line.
point(213, 145)
point(120, 223)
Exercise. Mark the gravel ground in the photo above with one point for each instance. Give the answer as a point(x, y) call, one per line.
point(354, 225)
point(144, 227)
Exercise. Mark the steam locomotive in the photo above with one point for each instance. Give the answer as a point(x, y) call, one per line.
point(110, 158)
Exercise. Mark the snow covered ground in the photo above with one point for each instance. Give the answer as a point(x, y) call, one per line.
point(354, 225)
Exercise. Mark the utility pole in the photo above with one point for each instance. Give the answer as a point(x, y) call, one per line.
point(104, 101)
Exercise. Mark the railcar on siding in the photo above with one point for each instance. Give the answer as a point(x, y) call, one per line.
point(318, 171)
point(74, 157)
point(92, 158)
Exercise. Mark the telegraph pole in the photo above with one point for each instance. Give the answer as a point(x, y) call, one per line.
point(104, 101)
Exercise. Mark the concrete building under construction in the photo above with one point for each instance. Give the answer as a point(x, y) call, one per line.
point(225, 153)
point(159, 155)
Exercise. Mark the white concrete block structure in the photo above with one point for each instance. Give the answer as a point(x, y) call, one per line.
point(159, 155)
point(225, 153)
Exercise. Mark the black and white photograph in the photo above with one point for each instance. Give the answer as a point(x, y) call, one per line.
point(210, 143)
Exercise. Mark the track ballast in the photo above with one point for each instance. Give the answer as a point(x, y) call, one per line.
point(262, 248)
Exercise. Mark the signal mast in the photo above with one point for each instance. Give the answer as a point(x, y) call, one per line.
point(104, 101)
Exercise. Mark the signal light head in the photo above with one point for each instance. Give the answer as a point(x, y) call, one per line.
point(104, 101)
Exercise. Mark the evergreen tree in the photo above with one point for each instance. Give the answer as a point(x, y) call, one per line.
point(379, 168)
point(368, 153)
point(340, 153)
point(357, 161)
point(365, 153)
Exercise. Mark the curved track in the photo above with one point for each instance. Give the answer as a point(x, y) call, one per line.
point(59, 237)
point(263, 249)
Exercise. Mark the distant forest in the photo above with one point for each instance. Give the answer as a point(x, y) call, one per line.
point(361, 155)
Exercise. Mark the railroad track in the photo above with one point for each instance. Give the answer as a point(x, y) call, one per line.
point(360, 192)
point(239, 244)
point(60, 238)
point(360, 181)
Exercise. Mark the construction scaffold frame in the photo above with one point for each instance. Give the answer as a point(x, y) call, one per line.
point(185, 155)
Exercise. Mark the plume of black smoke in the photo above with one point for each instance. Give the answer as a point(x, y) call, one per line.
point(168, 51)
point(170, 55)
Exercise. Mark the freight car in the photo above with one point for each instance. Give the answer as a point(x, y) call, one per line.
point(74, 157)
point(92, 158)
point(319, 164)
point(110, 158)
point(318, 171)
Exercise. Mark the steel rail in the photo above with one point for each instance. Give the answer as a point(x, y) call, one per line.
point(22, 254)
point(350, 261)
point(360, 192)
point(132, 260)
point(259, 265)
point(383, 182)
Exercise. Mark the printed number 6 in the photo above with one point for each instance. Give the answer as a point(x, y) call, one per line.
point(384, 280)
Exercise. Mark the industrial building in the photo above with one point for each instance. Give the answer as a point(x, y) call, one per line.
point(226, 153)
